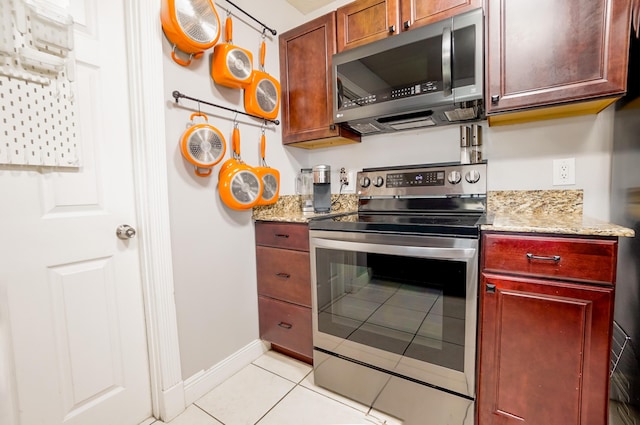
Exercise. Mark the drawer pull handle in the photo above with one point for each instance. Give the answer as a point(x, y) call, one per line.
point(282, 235)
point(283, 275)
point(491, 288)
point(554, 258)
point(285, 325)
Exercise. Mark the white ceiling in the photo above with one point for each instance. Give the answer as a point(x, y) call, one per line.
point(306, 6)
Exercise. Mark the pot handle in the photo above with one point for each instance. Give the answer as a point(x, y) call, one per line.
point(205, 173)
point(235, 141)
point(263, 52)
point(199, 114)
point(228, 30)
point(179, 61)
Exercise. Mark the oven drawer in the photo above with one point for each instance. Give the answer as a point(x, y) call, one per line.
point(579, 259)
point(283, 235)
point(285, 324)
point(284, 274)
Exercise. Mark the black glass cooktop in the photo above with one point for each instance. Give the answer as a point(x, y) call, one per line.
point(424, 224)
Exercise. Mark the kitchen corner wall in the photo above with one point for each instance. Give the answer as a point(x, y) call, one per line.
point(213, 246)
point(520, 157)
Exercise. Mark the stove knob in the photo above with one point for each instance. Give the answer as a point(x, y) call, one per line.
point(454, 177)
point(379, 181)
point(365, 182)
point(472, 176)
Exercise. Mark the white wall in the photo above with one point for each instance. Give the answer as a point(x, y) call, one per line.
point(213, 246)
point(520, 157)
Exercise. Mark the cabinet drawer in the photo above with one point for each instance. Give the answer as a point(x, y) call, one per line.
point(284, 274)
point(283, 235)
point(285, 324)
point(578, 259)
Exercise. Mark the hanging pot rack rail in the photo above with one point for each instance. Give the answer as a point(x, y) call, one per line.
point(177, 95)
point(272, 31)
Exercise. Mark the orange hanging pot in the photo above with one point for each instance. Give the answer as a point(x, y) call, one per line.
point(262, 96)
point(202, 145)
point(239, 186)
point(192, 26)
point(231, 66)
point(270, 178)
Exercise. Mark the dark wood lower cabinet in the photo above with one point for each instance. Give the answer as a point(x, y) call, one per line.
point(544, 342)
point(544, 352)
point(284, 287)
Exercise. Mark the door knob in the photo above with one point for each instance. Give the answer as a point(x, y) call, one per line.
point(124, 231)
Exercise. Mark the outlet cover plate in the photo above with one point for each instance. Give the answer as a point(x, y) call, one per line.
point(564, 171)
point(351, 187)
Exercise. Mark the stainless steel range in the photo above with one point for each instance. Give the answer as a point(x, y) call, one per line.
point(395, 293)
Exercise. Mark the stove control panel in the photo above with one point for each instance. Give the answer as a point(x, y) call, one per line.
point(427, 180)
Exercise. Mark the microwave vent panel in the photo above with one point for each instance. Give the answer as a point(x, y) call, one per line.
point(461, 114)
point(405, 125)
point(364, 128)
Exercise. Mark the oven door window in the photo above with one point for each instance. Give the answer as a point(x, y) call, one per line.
point(414, 307)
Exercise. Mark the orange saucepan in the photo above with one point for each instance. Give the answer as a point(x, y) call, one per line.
point(239, 185)
point(192, 26)
point(270, 178)
point(202, 145)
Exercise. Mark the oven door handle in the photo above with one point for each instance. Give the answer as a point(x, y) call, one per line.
point(435, 252)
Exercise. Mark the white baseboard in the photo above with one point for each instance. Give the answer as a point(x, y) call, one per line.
point(173, 402)
point(204, 381)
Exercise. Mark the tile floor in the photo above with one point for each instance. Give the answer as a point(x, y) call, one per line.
point(275, 390)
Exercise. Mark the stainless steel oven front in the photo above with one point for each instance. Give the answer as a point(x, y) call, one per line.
point(394, 322)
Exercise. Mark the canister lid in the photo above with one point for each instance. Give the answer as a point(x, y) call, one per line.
point(321, 173)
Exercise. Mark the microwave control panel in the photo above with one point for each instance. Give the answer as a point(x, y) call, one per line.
point(392, 94)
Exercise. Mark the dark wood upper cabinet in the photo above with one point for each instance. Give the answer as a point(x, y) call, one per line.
point(364, 21)
point(307, 93)
point(548, 52)
point(416, 13)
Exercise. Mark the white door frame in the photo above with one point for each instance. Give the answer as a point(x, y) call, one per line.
point(147, 104)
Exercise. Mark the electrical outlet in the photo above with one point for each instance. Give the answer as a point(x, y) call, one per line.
point(344, 177)
point(564, 171)
point(350, 179)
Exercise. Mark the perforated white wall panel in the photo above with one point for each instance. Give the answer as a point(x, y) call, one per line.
point(38, 113)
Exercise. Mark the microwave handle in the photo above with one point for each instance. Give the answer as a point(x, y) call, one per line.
point(446, 61)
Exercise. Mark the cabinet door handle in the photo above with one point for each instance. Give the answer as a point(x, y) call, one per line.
point(554, 258)
point(285, 325)
point(491, 288)
point(392, 29)
point(406, 24)
point(282, 235)
point(283, 275)
point(495, 98)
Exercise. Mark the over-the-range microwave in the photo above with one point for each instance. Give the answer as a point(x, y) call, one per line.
point(427, 76)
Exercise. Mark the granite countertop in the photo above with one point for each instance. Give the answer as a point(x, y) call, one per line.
point(532, 211)
point(545, 211)
point(287, 209)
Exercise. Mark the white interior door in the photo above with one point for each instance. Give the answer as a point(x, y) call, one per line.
point(72, 291)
